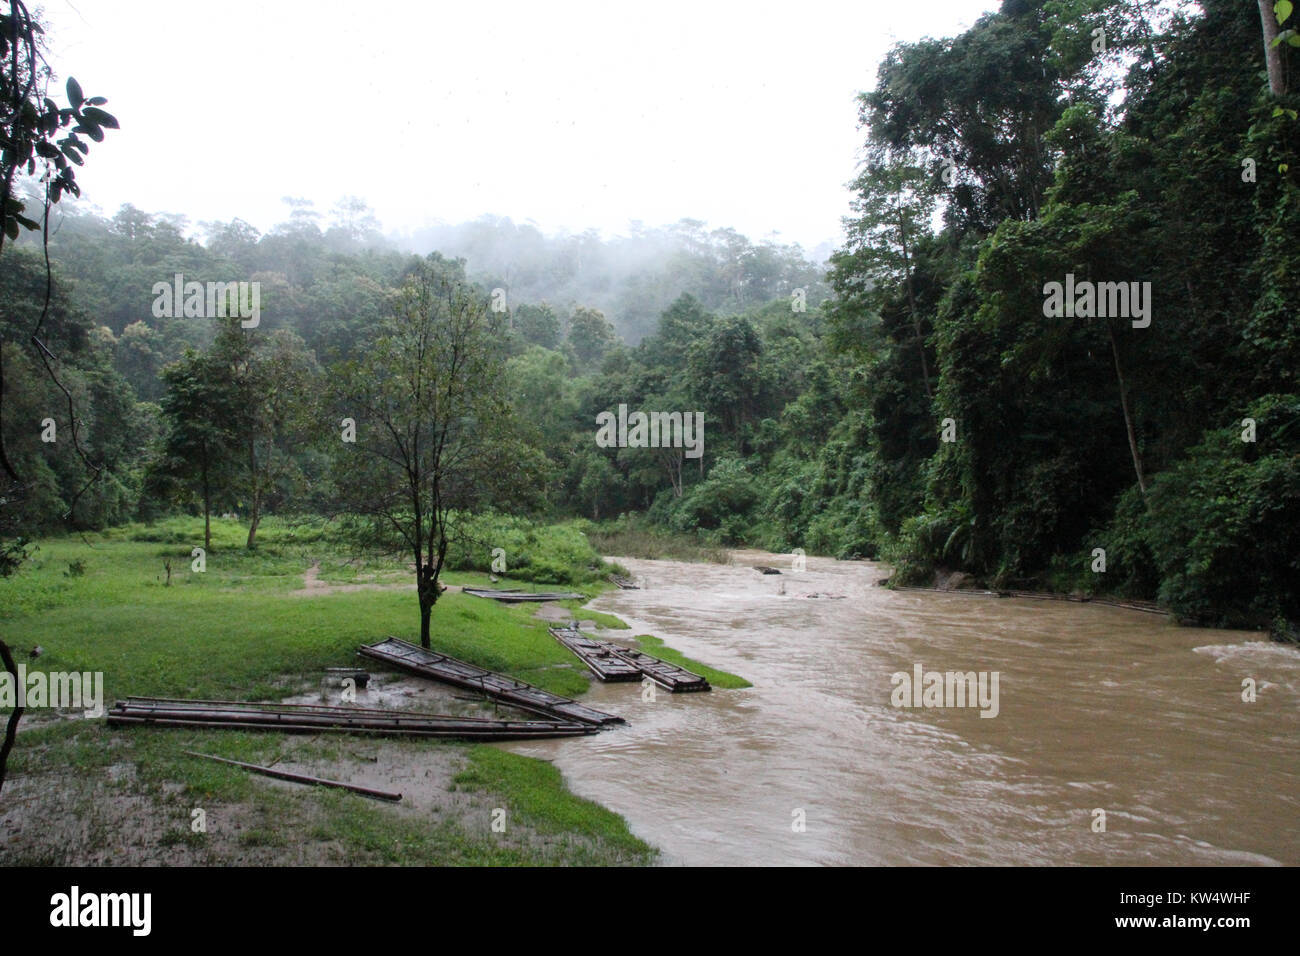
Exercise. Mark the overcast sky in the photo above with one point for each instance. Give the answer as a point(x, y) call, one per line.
point(572, 115)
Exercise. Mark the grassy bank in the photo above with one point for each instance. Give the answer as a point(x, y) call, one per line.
point(635, 537)
point(249, 627)
point(656, 648)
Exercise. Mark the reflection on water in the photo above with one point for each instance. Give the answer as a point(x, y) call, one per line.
point(1099, 708)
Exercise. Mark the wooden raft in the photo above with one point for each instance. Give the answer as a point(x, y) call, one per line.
point(416, 660)
point(624, 664)
point(314, 718)
point(668, 676)
point(600, 660)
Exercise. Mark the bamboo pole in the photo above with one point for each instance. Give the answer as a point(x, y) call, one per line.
point(303, 778)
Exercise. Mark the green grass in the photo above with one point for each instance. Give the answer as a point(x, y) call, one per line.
point(234, 630)
point(533, 791)
point(237, 631)
point(656, 648)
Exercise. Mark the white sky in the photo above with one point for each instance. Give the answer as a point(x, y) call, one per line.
point(570, 114)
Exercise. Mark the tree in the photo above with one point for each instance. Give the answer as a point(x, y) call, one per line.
point(201, 412)
point(894, 203)
point(235, 240)
point(435, 434)
point(590, 335)
point(537, 325)
point(1272, 16)
point(599, 481)
point(354, 220)
point(681, 326)
point(271, 379)
point(982, 102)
point(725, 373)
point(138, 358)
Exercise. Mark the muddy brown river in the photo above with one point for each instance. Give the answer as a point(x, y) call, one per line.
point(1099, 708)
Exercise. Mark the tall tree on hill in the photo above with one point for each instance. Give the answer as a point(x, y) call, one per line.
point(590, 335)
point(894, 203)
point(981, 101)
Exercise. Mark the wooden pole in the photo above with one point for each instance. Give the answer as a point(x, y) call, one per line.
point(303, 778)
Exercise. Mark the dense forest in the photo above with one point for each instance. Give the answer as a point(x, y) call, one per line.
point(915, 399)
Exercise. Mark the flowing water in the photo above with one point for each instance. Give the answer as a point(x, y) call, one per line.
point(1099, 708)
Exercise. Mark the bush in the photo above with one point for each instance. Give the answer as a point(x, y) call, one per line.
point(545, 554)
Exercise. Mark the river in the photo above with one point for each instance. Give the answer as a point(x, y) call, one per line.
point(1099, 708)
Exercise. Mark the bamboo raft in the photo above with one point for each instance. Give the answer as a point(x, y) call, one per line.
point(600, 660)
point(614, 662)
point(507, 690)
point(668, 676)
point(627, 584)
point(515, 596)
point(313, 718)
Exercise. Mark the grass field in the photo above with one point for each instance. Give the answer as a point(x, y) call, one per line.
point(242, 628)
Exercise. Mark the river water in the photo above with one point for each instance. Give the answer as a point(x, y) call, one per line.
point(1099, 708)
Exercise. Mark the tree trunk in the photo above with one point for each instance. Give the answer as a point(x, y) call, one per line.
point(426, 612)
point(1272, 54)
point(1128, 416)
point(911, 302)
point(207, 512)
point(427, 589)
point(255, 517)
point(11, 730)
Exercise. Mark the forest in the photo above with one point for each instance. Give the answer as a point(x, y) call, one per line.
point(910, 399)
